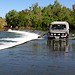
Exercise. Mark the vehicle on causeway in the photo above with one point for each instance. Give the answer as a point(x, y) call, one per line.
point(58, 29)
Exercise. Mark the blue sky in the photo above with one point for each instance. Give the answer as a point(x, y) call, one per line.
point(18, 5)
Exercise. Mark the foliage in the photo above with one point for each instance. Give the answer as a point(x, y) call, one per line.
point(12, 18)
point(40, 18)
point(2, 22)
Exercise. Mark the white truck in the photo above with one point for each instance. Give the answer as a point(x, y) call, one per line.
point(58, 29)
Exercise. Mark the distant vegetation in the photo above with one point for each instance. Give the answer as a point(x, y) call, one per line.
point(2, 23)
point(37, 17)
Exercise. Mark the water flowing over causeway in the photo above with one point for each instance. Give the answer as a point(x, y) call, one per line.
point(23, 36)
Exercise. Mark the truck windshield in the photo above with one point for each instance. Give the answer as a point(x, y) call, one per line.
point(58, 26)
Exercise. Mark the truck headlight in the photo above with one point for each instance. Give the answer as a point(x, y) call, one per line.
point(54, 34)
point(51, 34)
point(58, 34)
point(63, 34)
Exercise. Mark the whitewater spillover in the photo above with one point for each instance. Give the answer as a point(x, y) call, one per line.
point(24, 36)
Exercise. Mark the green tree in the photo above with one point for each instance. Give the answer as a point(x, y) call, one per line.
point(73, 20)
point(51, 13)
point(36, 17)
point(46, 17)
point(24, 19)
point(56, 10)
point(12, 18)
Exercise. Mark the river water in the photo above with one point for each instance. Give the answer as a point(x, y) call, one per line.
point(22, 53)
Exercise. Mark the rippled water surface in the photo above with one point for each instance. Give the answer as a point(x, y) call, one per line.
point(39, 57)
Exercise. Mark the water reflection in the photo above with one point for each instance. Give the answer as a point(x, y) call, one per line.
point(58, 45)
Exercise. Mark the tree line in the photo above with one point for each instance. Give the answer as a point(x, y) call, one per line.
point(37, 17)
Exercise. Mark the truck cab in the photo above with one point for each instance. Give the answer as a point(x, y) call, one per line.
point(58, 29)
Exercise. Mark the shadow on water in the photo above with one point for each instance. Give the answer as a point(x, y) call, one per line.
point(58, 44)
point(61, 48)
